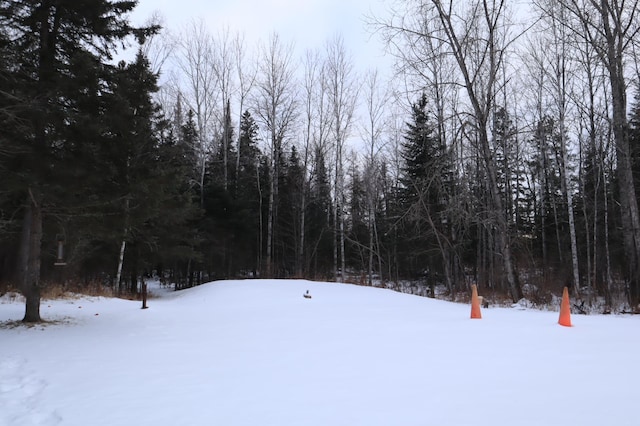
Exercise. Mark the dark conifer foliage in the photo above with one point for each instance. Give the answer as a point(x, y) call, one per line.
point(291, 187)
point(62, 50)
point(427, 182)
point(319, 223)
point(634, 137)
point(248, 188)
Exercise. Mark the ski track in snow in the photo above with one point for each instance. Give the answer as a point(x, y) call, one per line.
point(20, 394)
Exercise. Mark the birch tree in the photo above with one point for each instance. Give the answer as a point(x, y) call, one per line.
point(594, 130)
point(559, 67)
point(275, 104)
point(317, 119)
point(224, 64)
point(246, 76)
point(375, 96)
point(342, 92)
point(313, 132)
point(553, 61)
point(197, 85)
point(610, 27)
point(473, 37)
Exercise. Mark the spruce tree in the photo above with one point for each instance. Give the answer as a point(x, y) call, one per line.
point(64, 49)
point(151, 200)
point(357, 232)
point(319, 231)
point(426, 178)
point(634, 139)
point(291, 187)
point(247, 197)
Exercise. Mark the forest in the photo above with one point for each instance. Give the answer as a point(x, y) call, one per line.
point(503, 151)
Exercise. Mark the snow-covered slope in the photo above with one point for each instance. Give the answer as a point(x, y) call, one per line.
point(259, 353)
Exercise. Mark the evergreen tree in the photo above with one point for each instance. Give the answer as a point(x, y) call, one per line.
point(187, 143)
point(291, 186)
point(65, 47)
point(159, 202)
point(12, 106)
point(503, 148)
point(319, 226)
point(249, 184)
point(426, 180)
point(246, 185)
point(551, 219)
point(634, 139)
point(176, 222)
point(357, 234)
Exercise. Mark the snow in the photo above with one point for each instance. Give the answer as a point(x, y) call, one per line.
point(257, 352)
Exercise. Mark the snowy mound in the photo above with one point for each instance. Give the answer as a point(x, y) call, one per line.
point(258, 353)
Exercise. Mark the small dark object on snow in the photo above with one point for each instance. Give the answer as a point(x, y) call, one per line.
point(307, 295)
point(144, 295)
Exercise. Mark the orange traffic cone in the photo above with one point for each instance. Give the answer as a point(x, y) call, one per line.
point(565, 309)
point(475, 303)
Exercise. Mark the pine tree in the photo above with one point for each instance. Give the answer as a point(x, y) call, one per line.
point(64, 49)
point(154, 176)
point(291, 187)
point(319, 226)
point(426, 179)
point(11, 107)
point(249, 183)
point(634, 139)
point(357, 233)
point(175, 222)
point(545, 168)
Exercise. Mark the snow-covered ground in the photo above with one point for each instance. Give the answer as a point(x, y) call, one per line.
point(258, 353)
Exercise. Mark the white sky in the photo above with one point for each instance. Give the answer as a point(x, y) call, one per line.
point(308, 23)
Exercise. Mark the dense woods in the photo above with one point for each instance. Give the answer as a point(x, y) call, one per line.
point(504, 151)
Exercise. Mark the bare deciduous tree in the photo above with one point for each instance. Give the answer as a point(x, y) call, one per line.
point(246, 77)
point(555, 65)
point(610, 27)
point(224, 63)
point(159, 47)
point(376, 96)
point(276, 106)
point(194, 60)
point(474, 39)
point(342, 93)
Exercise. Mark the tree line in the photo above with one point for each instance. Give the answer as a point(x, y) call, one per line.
point(503, 153)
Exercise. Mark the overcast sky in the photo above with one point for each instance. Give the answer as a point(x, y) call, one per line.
point(308, 23)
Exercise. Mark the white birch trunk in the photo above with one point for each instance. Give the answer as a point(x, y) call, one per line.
point(123, 246)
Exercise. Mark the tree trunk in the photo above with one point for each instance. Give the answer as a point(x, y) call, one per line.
point(303, 200)
point(226, 133)
point(592, 266)
point(260, 222)
point(381, 276)
point(270, 219)
point(123, 246)
point(608, 279)
point(481, 99)
point(31, 279)
point(502, 228)
point(628, 200)
point(337, 206)
point(561, 93)
point(569, 199)
point(342, 253)
point(609, 27)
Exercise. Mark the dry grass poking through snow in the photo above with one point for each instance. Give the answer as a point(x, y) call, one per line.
point(8, 325)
